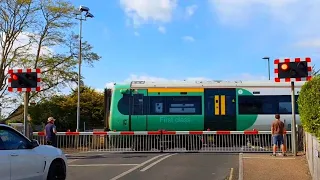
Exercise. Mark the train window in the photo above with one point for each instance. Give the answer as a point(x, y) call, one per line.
point(250, 105)
point(257, 104)
point(137, 104)
point(124, 104)
point(268, 108)
point(285, 108)
point(284, 104)
point(157, 104)
point(265, 104)
point(179, 105)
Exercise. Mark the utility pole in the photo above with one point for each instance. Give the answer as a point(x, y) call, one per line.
point(25, 115)
point(79, 13)
point(293, 123)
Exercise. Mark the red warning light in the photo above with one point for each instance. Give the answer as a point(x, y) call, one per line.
point(14, 77)
point(284, 66)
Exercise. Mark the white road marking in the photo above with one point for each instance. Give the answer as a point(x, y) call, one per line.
point(156, 162)
point(240, 167)
point(100, 165)
point(134, 168)
point(72, 160)
point(231, 174)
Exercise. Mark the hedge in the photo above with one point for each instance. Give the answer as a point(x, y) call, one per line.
point(309, 106)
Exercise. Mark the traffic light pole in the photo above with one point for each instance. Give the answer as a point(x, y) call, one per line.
point(25, 115)
point(293, 123)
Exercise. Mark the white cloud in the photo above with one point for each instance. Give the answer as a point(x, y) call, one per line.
point(235, 10)
point(297, 17)
point(309, 43)
point(23, 39)
point(136, 34)
point(188, 38)
point(247, 77)
point(135, 77)
point(109, 85)
point(162, 29)
point(99, 90)
point(190, 10)
point(145, 11)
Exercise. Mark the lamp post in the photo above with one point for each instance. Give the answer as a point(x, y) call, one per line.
point(81, 18)
point(268, 58)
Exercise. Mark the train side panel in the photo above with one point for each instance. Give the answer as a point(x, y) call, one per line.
point(187, 109)
point(257, 107)
point(175, 109)
point(119, 109)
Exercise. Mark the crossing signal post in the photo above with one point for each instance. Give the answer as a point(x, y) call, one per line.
point(24, 80)
point(291, 70)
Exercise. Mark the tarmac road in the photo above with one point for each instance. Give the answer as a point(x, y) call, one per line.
point(153, 166)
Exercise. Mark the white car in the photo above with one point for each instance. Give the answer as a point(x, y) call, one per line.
point(24, 159)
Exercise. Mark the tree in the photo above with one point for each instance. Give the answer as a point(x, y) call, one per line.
point(91, 106)
point(315, 72)
point(309, 106)
point(64, 108)
point(33, 30)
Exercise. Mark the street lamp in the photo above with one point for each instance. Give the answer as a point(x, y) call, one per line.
point(268, 58)
point(81, 18)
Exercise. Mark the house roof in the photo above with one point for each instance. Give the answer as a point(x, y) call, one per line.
point(15, 116)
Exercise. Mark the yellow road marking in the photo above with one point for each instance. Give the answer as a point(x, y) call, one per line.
point(231, 174)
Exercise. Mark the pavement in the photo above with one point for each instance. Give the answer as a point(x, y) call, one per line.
point(153, 166)
point(264, 167)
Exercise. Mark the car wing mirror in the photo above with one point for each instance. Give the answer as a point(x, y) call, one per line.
point(34, 143)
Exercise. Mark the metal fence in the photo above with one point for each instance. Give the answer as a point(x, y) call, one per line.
point(313, 155)
point(166, 141)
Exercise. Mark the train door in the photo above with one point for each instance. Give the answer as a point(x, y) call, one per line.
point(139, 106)
point(220, 109)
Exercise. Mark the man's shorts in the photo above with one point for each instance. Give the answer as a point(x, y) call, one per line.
point(278, 139)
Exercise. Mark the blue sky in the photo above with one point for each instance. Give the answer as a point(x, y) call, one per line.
point(209, 39)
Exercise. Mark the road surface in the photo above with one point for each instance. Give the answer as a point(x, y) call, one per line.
point(151, 166)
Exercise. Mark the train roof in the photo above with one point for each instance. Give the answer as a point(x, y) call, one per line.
point(211, 84)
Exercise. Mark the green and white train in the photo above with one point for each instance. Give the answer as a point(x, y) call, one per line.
point(199, 105)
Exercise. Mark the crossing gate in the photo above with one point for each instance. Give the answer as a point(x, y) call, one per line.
point(167, 141)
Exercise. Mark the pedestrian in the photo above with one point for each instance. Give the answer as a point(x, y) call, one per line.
point(277, 131)
point(50, 132)
point(29, 128)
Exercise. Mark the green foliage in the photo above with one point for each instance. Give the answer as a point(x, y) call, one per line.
point(309, 106)
point(64, 109)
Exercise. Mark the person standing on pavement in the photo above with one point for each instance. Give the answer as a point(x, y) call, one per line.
point(50, 132)
point(277, 131)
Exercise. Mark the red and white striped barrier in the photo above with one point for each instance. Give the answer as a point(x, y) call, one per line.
point(159, 133)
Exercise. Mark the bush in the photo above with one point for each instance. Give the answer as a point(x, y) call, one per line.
point(309, 106)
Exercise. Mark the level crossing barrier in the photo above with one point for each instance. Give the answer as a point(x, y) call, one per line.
point(166, 141)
